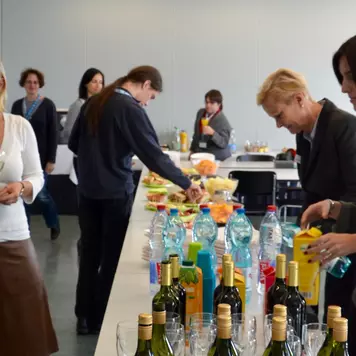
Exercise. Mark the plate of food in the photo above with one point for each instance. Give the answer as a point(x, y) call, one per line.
point(153, 180)
point(189, 171)
point(157, 195)
point(181, 197)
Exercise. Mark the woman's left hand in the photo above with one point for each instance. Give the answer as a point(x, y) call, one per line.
point(10, 193)
point(332, 245)
point(208, 130)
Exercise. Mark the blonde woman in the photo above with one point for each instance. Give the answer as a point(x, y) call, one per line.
point(25, 322)
point(326, 151)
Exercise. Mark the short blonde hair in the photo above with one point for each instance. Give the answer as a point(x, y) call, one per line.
point(282, 85)
point(3, 93)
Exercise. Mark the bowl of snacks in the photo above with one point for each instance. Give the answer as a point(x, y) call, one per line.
point(206, 167)
point(195, 158)
point(219, 184)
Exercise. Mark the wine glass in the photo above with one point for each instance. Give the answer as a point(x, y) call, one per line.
point(126, 338)
point(176, 336)
point(173, 318)
point(202, 333)
point(243, 333)
point(268, 327)
point(313, 337)
point(294, 344)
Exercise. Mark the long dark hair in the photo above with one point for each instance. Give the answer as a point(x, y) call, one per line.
point(137, 75)
point(86, 79)
point(347, 49)
point(215, 96)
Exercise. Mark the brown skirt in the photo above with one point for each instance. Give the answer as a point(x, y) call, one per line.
point(25, 323)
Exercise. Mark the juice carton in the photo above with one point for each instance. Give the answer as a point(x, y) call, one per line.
point(309, 278)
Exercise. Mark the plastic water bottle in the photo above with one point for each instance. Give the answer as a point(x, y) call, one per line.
point(205, 231)
point(270, 240)
point(228, 241)
point(338, 266)
point(241, 235)
point(232, 142)
point(175, 236)
point(158, 230)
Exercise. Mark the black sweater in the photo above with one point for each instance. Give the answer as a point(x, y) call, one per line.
point(45, 125)
point(104, 159)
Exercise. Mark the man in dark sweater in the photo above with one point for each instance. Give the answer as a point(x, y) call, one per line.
point(41, 113)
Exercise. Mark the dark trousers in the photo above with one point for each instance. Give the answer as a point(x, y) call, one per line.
point(48, 207)
point(103, 225)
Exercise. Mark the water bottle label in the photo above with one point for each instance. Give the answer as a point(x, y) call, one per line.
point(155, 272)
point(263, 266)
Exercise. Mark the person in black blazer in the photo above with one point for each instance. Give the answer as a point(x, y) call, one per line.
point(213, 137)
point(326, 153)
point(41, 112)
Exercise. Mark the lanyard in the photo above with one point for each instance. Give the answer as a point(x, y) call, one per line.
point(27, 113)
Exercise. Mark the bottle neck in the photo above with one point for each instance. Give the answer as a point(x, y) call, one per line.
point(158, 330)
point(143, 345)
point(293, 289)
point(280, 281)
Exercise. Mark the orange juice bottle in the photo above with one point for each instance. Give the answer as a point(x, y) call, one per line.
point(183, 141)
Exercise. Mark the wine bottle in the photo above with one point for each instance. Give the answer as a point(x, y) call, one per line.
point(295, 302)
point(177, 287)
point(340, 336)
point(166, 299)
point(226, 257)
point(144, 346)
point(280, 311)
point(230, 294)
point(328, 345)
point(278, 291)
point(279, 345)
point(224, 309)
point(160, 343)
point(223, 345)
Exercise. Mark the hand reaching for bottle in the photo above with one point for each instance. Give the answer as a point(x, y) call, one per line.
point(194, 192)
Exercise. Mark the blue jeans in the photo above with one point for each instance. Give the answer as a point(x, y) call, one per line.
point(48, 207)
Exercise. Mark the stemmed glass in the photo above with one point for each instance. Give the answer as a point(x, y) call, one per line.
point(268, 328)
point(313, 337)
point(243, 333)
point(176, 336)
point(294, 344)
point(126, 338)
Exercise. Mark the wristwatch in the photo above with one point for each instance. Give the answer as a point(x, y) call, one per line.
point(331, 206)
point(22, 189)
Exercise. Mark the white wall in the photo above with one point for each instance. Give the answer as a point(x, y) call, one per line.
point(231, 45)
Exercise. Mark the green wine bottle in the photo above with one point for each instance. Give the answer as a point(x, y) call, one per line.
point(226, 257)
point(166, 299)
point(328, 345)
point(279, 346)
point(280, 311)
point(177, 287)
point(144, 347)
point(224, 345)
point(340, 336)
point(160, 343)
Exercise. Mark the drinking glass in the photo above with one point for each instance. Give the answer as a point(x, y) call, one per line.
point(243, 333)
point(173, 318)
point(126, 338)
point(176, 336)
point(202, 333)
point(313, 337)
point(294, 344)
point(268, 333)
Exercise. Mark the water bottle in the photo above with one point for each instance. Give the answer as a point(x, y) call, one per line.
point(175, 236)
point(156, 239)
point(270, 239)
point(232, 142)
point(228, 241)
point(241, 235)
point(205, 231)
point(338, 266)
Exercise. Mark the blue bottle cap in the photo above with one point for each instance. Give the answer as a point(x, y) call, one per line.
point(174, 211)
point(206, 210)
point(241, 210)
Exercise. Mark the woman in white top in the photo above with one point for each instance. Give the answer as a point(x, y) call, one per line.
point(25, 322)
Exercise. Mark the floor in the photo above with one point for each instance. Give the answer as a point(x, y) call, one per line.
point(58, 261)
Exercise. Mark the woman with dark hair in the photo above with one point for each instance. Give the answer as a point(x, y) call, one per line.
point(113, 126)
point(212, 129)
point(92, 83)
point(343, 241)
point(41, 112)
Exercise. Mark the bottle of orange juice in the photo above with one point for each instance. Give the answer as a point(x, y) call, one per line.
point(183, 141)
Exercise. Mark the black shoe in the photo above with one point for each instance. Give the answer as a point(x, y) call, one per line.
point(95, 329)
point(55, 232)
point(82, 326)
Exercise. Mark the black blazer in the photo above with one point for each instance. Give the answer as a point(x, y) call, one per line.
point(218, 144)
point(328, 170)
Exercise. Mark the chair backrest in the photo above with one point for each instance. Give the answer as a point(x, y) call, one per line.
point(256, 189)
point(255, 158)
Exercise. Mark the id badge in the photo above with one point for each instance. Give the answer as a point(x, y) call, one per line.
point(203, 144)
point(298, 159)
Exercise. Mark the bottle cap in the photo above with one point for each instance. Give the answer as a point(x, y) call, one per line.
point(204, 261)
point(226, 257)
point(161, 207)
point(202, 206)
point(241, 210)
point(193, 249)
point(334, 311)
point(224, 321)
point(174, 211)
point(224, 309)
point(188, 263)
point(145, 319)
point(340, 324)
point(205, 210)
point(237, 206)
point(272, 208)
point(280, 311)
point(281, 257)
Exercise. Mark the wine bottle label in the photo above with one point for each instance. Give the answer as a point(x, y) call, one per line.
point(224, 333)
point(145, 332)
point(159, 317)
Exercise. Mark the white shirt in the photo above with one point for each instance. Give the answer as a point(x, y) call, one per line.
point(21, 163)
